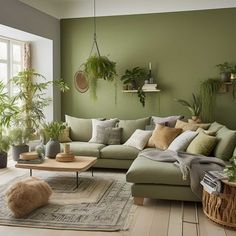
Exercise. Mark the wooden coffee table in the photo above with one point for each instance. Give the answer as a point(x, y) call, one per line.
point(81, 164)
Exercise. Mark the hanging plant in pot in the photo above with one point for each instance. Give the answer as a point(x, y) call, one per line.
point(52, 130)
point(97, 66)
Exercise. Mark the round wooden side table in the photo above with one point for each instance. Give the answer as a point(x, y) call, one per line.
point(221, 207)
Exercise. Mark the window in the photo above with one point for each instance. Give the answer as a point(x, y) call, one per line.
point(11, 61)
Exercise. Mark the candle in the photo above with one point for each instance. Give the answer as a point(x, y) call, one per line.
point(150, 66)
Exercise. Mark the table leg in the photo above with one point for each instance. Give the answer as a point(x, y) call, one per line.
point(77, 179)
point(30, 172)
point(92, 171)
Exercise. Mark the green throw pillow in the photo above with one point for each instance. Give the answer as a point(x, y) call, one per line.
point(129, 126)
point(226, 143)
point(203, 144)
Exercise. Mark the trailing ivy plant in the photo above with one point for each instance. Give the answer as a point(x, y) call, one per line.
point(135, 78)
point(98, 67)
point(208, 90)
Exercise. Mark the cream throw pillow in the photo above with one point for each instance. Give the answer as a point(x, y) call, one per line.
point(139, 139)
point(162, 136)
point(181, 142)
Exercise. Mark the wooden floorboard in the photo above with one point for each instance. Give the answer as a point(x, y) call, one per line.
point(154, 218)
point(160, 219)
point(175, 220)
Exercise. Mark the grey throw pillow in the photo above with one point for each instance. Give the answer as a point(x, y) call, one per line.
point(108, 135)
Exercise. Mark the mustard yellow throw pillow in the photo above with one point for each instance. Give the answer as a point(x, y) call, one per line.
point(162, 136)
point(190, 126)
point(203, 144)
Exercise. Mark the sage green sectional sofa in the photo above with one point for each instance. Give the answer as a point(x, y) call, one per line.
point(150, 179)
point(162, 180)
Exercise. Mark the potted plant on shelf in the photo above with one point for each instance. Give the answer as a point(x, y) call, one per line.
point(225, 70)
point(195, 107)
point(98, 67)
point(7, 111)
point(31, 98)
point(134, 80)
point(19, 138)
point(52, 130)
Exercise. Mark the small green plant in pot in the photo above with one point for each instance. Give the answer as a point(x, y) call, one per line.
point(98, 67)
point(195, 106)
point(225, 70)
point(52, 130)
point(230, 170)
point(19, 138)
point(134, 79)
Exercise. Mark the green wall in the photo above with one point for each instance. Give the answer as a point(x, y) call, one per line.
point(183, 47)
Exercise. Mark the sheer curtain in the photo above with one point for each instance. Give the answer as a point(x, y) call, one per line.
point(26, 56)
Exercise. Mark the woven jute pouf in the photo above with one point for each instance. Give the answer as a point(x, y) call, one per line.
point(26, 195)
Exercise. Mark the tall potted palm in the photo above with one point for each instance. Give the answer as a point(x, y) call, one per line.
point(32, 99)
point(7, 111)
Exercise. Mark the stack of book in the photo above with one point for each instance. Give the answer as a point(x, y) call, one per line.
point(212, 181)
point(149, 87)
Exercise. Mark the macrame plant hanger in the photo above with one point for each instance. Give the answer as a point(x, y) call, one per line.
point(95, 44)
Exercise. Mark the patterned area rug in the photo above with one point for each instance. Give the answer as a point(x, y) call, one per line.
point(100, 203)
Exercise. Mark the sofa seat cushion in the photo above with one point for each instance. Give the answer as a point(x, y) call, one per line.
point(144, 170)
point(85, 148)
point(119, 152)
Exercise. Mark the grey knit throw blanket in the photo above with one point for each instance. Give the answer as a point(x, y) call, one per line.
point(193, 165)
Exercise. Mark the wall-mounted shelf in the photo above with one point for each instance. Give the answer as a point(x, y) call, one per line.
point(145, 91)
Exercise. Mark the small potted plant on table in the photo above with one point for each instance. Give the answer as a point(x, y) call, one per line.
point(52, 130)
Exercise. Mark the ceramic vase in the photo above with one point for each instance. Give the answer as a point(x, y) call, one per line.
point(17, 150)
point(3, 160)
point(52, 148)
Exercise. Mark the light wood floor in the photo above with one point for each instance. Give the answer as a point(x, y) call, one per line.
point(155, 218)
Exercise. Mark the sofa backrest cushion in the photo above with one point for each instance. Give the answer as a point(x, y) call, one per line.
point(215, 126)
point(80, 129)
point(226, 139)
point(129, 126)
point(169, 120)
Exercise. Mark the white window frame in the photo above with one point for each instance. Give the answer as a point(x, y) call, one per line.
point(9, 61)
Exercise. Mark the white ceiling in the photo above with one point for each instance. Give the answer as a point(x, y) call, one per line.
point(84, 8)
